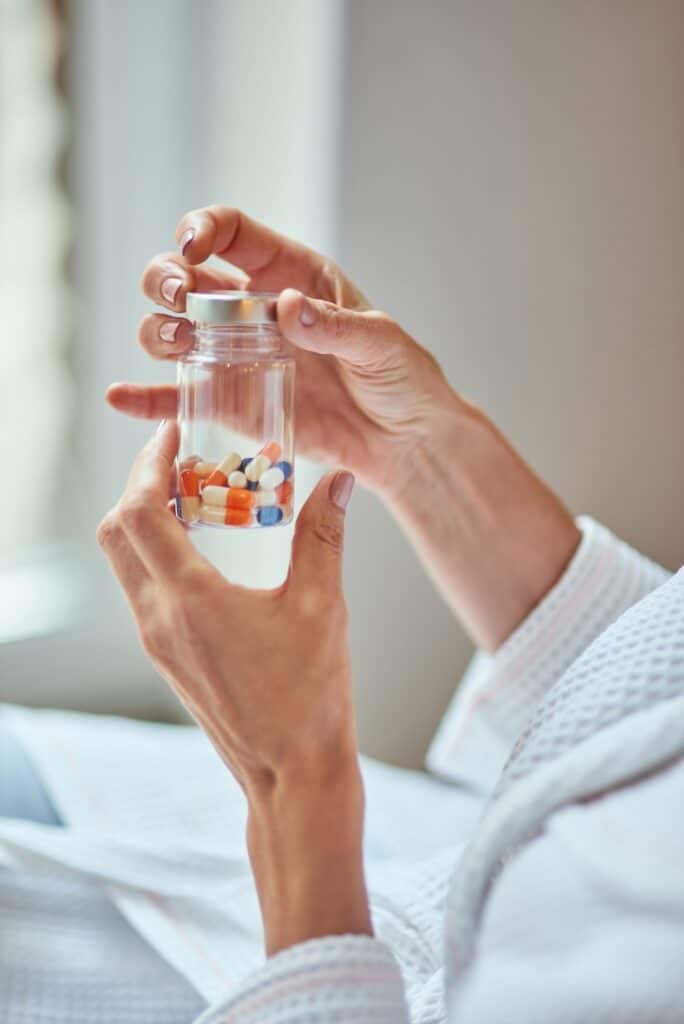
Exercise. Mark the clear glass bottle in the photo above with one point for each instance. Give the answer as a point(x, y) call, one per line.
point(235, 414)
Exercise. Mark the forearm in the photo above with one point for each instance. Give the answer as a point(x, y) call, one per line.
point(492, 535)
point(305, 844)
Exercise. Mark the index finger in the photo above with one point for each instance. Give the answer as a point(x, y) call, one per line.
point(159, 539)
point(267, 257)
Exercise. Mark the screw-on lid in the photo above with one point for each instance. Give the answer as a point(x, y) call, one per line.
point(231, 307)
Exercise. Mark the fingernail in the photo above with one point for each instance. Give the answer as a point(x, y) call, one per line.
point(341, 488)
point(307, 314)
point(185, 240)
point(169, 288)
point(167, 331)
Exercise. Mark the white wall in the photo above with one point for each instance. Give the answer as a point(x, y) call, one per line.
point(512, 192)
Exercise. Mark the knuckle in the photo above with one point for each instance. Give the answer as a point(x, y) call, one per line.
point(108, 531)
point(135, 514)
point(151, 638)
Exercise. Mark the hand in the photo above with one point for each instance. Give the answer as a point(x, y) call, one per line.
point(267, 676)
point(367, 394)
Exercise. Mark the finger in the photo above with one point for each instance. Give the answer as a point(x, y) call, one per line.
point(254, 248)
point(144, 402)
point(168, 278)
point(319, 536)
point(364, 339)
point(127, 566)
point(159, 540)
point(165, 337)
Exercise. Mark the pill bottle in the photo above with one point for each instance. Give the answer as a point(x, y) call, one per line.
point(235, 463)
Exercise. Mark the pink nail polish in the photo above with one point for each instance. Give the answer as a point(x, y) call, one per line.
point(341, 488)
point(185, 240)
point(307, 314)
point(167, 331)
point(169, 288)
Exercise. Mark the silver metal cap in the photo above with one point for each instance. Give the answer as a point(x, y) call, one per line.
point(231, 307)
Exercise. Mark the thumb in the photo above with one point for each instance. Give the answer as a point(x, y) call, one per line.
point(319, 535)
point(362, 338)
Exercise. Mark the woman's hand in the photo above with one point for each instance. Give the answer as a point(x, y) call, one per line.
point(493, 537)
point(267, 676)
point(367, 394)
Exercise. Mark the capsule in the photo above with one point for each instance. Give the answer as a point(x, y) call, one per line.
point(272, 451)
point(256, 468)
point(219, 476)
point(286, 467)
point(225, 516)
point(271, 479)
point(227, 497)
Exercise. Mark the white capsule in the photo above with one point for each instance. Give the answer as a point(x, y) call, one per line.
point(237, 479)
point(215, 495)
point(271, 479)
point(203, 469)
point(256, 467)
point(190, 509)
point(265, 498)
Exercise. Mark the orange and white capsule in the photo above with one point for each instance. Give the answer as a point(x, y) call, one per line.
point(225, 516)
point(188, 483)
point(228, 497)
point(219, 476)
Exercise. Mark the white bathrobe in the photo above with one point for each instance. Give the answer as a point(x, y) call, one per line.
point(567, 899)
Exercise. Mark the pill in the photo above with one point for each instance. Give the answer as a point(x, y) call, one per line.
point(190, 509)
point(270, 516)
point(286, 468)
point(225, 516)
point(252, 485)
point(272, 451)
point(225, 467)
point(190, 462)
point(237, 479)
point(223, 497)
point(204, 469)
point(266, 498)
point(284, 493)
point(271, 479)
point(287, 511)
point(256, 467)
point(189, 483)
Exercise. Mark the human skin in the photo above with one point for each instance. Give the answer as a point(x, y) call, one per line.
point(492, 536)
point(279, 712)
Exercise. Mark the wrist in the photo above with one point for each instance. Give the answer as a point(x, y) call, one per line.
point(305, 840)
point(495, 536)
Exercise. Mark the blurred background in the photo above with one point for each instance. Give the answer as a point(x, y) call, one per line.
point(504, 176)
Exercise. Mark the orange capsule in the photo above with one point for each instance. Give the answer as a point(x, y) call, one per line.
point(284, 492)
point(272, 451)
point(238, 516)
point(219, 477)
point(189, 483)
point(238, 497)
